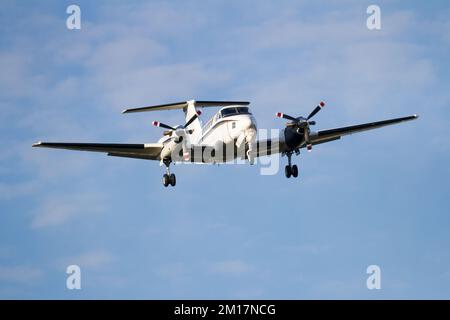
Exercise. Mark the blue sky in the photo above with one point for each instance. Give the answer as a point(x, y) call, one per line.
point(224, 232)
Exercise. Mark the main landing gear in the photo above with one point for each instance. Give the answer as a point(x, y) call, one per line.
point(290, 170)
point(169, 178)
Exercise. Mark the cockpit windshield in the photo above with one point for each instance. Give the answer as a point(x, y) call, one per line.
point(234, 110)
point(226, 112)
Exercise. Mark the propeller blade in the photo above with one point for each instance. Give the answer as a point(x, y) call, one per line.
point(317, 109)
point(195, 116)
point(162, 125)
point(285, 116)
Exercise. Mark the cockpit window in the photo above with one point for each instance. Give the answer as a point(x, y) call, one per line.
point(242, 110)
point(234, 110)
point(228, 112)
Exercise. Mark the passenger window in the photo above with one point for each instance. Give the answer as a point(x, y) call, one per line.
point(233, 125)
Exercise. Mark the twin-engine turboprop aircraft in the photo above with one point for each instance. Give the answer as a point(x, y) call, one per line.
point(228, 135)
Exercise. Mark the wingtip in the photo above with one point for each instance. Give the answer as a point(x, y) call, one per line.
point(124, 111)
point(416, 115)
point(37, 144)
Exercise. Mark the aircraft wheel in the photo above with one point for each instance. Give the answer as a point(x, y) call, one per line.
point(166, 180)
point(294, 171)
point(287, 171)
point(173, 180)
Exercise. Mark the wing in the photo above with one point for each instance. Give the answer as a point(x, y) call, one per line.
point(267, 147)
point(334, 134)
point(273, 146)
point(148, 151)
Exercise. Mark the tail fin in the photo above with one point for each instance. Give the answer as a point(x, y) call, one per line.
point(195, 125)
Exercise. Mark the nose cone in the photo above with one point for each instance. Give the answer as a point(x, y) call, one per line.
point(245, 130)
point(248, 122)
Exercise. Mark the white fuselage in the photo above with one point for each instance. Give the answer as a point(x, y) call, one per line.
point(231, 128)
point(230, 131)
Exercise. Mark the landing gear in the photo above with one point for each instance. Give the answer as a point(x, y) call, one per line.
point(290, 170)
point(294, 171)
point(173, 180)
point(168, 178)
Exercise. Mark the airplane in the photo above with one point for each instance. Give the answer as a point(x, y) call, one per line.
point(229, 134)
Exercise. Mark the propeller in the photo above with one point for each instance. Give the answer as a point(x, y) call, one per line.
point(302, 123)
point(162, 125)
point(179, 132)
point(166, 126)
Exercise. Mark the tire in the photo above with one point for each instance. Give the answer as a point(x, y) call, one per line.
point(172, 180)
point(287, 171)
point(294, 171)
point(166, 180)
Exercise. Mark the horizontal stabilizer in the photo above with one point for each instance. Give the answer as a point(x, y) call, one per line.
point(184, 104)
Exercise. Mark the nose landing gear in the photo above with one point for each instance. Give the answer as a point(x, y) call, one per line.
point(168, 178)
point(290, 170)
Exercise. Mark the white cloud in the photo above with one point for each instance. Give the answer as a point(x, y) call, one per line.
point(95, 259)
point(20, 274)
point(14, 190)
point(17, 62)
point(307, 248)
point(57, 209)
point(230, 267)
point(174, 272)
point(337, 59)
